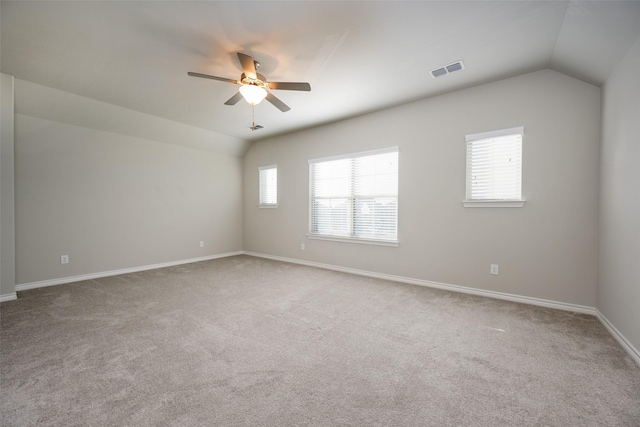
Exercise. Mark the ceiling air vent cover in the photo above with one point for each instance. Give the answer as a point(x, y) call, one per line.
point(447, 69)
point(439, 72)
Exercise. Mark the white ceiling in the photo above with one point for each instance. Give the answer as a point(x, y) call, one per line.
point(357, 56)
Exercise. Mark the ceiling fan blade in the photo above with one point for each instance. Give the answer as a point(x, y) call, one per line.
point(290, 86)
point(279, 104)
point(248, 65)
point(207, 76)
point(234, 99)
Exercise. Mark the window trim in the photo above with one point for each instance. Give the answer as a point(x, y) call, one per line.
point(493, 203)
point(357, 154)
point(344, 239)
point(488, 203)
point(494, 134)
point(347, 239)
point(266, 205)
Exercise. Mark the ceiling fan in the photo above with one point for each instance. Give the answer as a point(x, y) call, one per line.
point(254, 87)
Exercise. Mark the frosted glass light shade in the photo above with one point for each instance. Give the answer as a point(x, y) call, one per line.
point(253, 94)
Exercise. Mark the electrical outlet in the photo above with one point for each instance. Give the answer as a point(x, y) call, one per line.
point(202, 243)
point(302, 246)
point(494, 269)
point(64, 259)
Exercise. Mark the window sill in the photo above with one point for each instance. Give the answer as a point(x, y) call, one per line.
point(493, 203)
point(270, 206)
point(392, 243)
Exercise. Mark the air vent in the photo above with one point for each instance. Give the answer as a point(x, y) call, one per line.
point(447, 69)
point(454, 67)
point(439, 72)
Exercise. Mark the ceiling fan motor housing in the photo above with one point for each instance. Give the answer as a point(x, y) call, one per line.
point(260, 80)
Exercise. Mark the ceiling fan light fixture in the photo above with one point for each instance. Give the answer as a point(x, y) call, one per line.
point(254, 86)
point(253, 94)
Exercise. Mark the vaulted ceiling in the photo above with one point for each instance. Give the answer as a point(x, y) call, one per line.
point(357, 56)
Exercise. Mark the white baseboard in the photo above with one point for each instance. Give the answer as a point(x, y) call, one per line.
point(455, 288)
point(8, 297)
point(633, 352)
point(71, 279)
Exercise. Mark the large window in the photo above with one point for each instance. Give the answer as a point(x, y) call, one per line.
point(355, 197)
point(268, 186)
point(494, 168)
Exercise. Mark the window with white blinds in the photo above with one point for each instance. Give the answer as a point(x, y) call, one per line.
point(355, 196)
point(494, 165)
point(268, 186)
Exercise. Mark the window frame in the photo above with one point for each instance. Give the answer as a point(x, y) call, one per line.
point(263, 185)
point(492, 203)
point(352, 238)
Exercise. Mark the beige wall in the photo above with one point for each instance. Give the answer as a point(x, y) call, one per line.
point(113, 201)
point(545, 250)
point(7, 231)
point(619, 243)
point(41, 101)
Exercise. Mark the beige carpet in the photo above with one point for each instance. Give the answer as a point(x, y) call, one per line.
point(244, 341)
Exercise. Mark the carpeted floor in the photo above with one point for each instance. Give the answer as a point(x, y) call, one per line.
point(244, 341)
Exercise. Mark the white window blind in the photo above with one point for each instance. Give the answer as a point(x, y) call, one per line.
point(494, 165)
point(268, 185)
point(355, 196)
